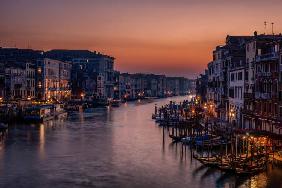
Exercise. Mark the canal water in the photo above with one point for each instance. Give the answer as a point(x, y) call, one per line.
point(109, 147)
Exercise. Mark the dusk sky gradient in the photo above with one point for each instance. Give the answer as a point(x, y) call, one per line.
point(161, 36)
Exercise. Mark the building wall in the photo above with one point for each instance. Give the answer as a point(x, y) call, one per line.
point(261, 109)
point(280, 84)
point(30, 80)
point(236, 92)
point(2, 80)
point(53, 80)
point(94, 77)
point(19, 80)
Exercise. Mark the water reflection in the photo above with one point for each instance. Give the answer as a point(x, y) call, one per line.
point(109, 147)
point(41, 140)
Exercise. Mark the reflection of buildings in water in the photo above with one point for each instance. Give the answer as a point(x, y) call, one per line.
point(42, 140)
point(271, 178)
point(108, 113)
point(81, 117)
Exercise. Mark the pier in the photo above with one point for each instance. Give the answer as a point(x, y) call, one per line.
point(226, 148)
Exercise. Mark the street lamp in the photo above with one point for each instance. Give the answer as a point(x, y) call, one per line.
point(82, 96)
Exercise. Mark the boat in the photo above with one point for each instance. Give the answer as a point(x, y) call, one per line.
point(186, 140)
point(208, 160)
point(3, 127)
point(250, 170)
point(159, 119)
point(115, 103)
point(42, 113)
point(176, 138)
point(59, 111)
point(38, 113)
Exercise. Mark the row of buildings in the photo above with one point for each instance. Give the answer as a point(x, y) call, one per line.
point(245, 82)
point(134, 86)
point(60, 75)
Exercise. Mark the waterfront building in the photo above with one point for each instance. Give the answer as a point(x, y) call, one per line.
point(116, 77)
point(216, 91)
point(201, 86)
point(127, 87)
point(92, 72)
point(235, 59)
point(245, 82)
point(53, 79)
point(19, 80)
point(18, 67)
point(172, 87)
point(183, 85)
point(223, 103)
point(140, 85)
point(135, 86)
point(226, 80)
point(191, 86)
point(156, 85)
point(280, 85)
point(262, 109)
point(212, 95)
point(2, 80)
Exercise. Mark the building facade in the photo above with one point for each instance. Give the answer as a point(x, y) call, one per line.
point(201, 86)
point(93, 77)
point(245, 82)
point(217, 83)
point(19, 81)
point(263, 111)
point(280, 86)
point(2, 80)
point(92, 72)
point(53, 79)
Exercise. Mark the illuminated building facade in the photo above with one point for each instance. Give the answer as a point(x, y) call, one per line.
point(53, 79)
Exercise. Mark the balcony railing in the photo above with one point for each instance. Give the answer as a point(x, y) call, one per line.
point(273, 74)
point(265, 74)
point(248, 95)
point(259, 95)
point(267, 57)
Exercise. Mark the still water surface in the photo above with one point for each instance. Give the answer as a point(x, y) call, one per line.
point(109, 147)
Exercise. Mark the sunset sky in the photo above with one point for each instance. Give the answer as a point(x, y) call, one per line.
point(173, 37)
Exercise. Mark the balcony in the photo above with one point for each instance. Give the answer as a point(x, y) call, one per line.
point(267, 57)
point(249, 96)
point(259, 95)
point(264, 74)
point(273, 74)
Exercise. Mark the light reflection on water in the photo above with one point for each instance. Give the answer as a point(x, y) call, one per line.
point(109, 147)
